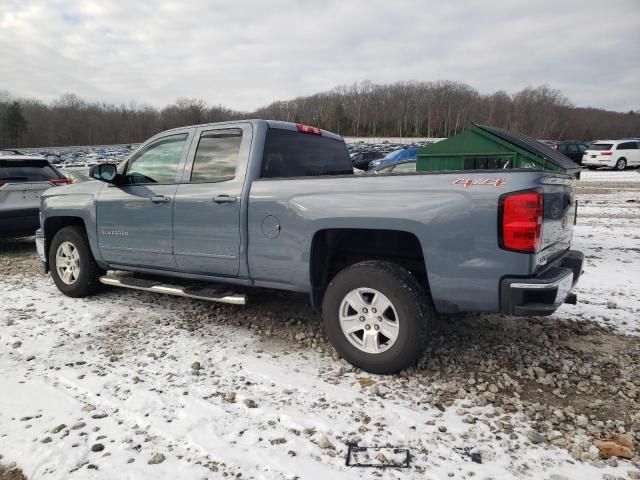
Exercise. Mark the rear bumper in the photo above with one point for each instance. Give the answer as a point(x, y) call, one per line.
point(594, 162)
point(542, 294)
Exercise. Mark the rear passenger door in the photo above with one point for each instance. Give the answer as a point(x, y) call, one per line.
point(629, 151)
point(208, 204)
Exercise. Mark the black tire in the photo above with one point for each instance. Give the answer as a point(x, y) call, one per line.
point(411, 301)
point(621, 164)
point(86, 283)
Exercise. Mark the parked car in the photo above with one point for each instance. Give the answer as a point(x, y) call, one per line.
point(8, 151)
point(617, 154)
point(362, 159)
point(407, 166)
point(395, 157)
point(22, 181)
point(276, 205)
point(571, 148)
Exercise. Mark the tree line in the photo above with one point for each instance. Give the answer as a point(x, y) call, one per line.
point(409, 109)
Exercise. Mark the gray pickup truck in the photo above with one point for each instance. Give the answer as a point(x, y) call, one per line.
point(198, 210)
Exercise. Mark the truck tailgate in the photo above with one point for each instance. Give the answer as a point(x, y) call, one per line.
point(559, 217)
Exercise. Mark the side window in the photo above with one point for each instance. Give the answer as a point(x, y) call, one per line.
point(562, 148)
point(627, 146)
point(582, 147)
point(216, 156)
point(158, 163)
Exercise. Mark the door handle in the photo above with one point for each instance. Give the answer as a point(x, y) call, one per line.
point(160, 199)
point(220, 199)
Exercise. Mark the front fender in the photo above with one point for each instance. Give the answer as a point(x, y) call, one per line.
point(69, 208)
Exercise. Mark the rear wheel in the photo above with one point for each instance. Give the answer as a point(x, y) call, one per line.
point(377, 316)
point(73, 268)
point(621, 164)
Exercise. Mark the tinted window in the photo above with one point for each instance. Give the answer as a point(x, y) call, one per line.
point(601, 146)
point(562, 148)
point(627, 146)
point(572, 148)
point(582, 147)
point(216, 156)
point(26, 171)
point(289, 153)
point(158, 163)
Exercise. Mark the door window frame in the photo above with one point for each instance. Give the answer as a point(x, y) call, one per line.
point(197, 144)
point(243, 153)
point(123, 168)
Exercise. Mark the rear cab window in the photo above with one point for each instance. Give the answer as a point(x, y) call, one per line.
point(289, 153)
point(16, 171)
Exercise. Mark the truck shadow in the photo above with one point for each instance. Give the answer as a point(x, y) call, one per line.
point(18, 246)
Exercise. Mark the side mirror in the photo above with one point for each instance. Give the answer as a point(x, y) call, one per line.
point(105, 172)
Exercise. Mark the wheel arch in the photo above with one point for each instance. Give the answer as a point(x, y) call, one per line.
point(333, 249)
point(53, 224)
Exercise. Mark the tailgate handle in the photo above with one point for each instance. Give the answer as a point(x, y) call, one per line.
point(160, 199)
point(220, 199)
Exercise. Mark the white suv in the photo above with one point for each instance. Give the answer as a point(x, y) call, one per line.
point(618, 154)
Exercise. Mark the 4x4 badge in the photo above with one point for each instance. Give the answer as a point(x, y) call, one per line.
point(470, 182)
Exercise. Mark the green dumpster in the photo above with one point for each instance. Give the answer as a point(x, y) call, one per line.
point(490, 148)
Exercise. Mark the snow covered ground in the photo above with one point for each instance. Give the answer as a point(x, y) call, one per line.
point(130, 385)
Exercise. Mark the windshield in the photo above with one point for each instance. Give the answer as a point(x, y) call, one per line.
point(402, 154)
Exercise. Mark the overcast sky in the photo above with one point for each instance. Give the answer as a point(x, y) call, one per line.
point(245, 54)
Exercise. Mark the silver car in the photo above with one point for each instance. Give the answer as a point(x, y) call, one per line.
point(22, 180)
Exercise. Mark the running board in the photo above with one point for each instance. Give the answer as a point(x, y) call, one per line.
point(210, 293)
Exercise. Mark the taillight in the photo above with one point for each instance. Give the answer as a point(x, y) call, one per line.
point(308, 129)
point(521, 221)
point(606, 153)
point(60, 181)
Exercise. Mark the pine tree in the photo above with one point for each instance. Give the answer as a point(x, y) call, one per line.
point(14, 123)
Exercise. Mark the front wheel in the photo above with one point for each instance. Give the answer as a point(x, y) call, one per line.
point(377, 316)
point(73, 268)
point(621, 164)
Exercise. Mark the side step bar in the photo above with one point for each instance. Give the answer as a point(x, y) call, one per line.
point(210, 293)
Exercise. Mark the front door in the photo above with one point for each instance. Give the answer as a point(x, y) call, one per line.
point(135, 217)
point(206, 221)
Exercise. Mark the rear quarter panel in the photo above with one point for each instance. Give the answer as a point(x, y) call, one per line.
point(457, 227)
